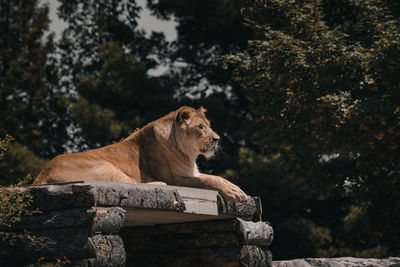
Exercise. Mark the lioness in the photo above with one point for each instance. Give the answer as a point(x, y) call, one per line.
point(164, 150)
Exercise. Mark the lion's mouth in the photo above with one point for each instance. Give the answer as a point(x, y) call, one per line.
point(209, 150)
point(206, 149)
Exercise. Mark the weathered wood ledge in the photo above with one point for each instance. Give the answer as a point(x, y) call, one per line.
point(126, 224)
point(144, 203)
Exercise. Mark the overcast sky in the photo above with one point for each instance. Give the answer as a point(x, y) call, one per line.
point(146, 21)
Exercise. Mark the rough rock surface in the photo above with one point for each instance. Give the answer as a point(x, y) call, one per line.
point(339, 262)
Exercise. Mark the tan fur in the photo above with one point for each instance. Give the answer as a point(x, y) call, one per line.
point(165, 150)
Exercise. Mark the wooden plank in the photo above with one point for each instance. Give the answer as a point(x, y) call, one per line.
point(182, 236)
point(157, 243)
point(195, 224)
point(105, 194)
point(210, 257)
point(199, 201)
point(95, 220)
point(74, 243)
point(106, 250)
point(230, 225)
point(146, 217)
point(256, 233)
point(245, 256)
point(50, 243)
point(255, 256)
point(106, 220)
point(139, 196)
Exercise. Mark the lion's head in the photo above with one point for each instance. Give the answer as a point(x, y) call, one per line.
point(193, 127)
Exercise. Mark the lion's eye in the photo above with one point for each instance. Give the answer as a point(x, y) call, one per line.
point(201, 127)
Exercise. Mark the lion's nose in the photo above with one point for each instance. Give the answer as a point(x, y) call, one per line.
point(216, 138)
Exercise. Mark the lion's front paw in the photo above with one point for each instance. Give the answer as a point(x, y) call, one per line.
point(232, 193)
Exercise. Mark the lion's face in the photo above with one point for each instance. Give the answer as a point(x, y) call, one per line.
point(195, 129)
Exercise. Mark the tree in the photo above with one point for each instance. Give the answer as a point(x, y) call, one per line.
point(286, 205)
point(30, 105)
point(321, 78)
point(104, 63)
point(207, 30)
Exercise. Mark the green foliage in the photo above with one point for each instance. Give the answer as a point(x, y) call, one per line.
point(4, 143)
point(285, 204)
point(29, 105)
point(122, 90)
point(17, 162)
point(206, 30)
point(321, 78)
point(116, 95)
point(43, 262)
point(97, 123)
point(15, 201)
point(31, 109)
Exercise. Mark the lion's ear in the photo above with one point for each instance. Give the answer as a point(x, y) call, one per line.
point(183, 114)
point(202, 109)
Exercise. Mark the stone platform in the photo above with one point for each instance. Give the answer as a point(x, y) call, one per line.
point(127, 224)
point(339, 262)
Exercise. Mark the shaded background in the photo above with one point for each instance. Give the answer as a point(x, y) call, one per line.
point(305, 95)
